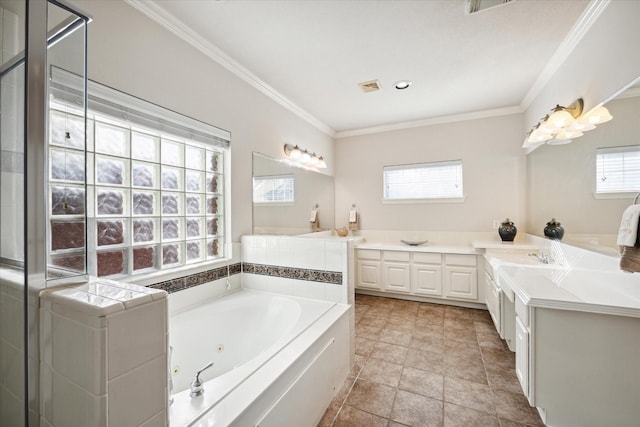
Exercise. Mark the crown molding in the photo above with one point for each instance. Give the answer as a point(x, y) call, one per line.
point(589, 16)
point(177, 27)
point(431, 121)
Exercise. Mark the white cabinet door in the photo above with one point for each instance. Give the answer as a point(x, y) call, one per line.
point(461, 283)
point(396, 277)
point(426, 279)
point(522, 356)
point(492, 299)
point(369, 274)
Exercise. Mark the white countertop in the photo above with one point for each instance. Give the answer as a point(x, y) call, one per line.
point(427, 247)
point(581, 282)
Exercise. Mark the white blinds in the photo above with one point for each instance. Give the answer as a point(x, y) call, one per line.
point(273, 189)
point(618, 169)
point(68, 89)
point(423, 181)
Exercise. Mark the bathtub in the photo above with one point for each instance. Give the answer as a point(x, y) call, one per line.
point(271, 354)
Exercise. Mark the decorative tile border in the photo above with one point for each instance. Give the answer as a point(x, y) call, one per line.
point(197, 279)
point(333, 277)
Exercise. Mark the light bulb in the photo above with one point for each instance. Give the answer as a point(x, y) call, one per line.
point(539, 135)
point(559, 119)
point(596, 116)
point(568, 134)
point(321, 163)
point(306, 157)
point(295, 153)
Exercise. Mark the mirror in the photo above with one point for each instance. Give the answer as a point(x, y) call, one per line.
point(278, 213)
point(561, 180)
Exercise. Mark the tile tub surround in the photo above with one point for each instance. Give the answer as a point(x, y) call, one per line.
point(103, 355)
point(423, 364)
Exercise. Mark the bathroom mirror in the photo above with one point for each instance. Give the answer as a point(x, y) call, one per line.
point(298, 191)
point(561, 180)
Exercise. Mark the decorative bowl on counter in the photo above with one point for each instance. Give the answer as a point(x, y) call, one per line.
point(414, 243)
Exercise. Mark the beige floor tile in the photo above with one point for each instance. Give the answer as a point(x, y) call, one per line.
point(330, 414)
point(515, 407)
point(469, 394)
point(371, 397)
point(432, 361)
point(374, 321)
point(382, 372)
point(434, 344)
point(367, 331)
point(464, 335)
point(502, 358)
point(398, 324)
point(352, 417)
point(503, 379)
point(421, 382)
point(459, 416)
point(389, 352)
point(394, 337)
point(459, 323)
point(364, 346)
point(465, 367)
point(358, 364)
point(416, 410)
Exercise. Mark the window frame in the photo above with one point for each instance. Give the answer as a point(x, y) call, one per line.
point(614, 194)
point(457, 198)
point(166, 121)
point(272, 178)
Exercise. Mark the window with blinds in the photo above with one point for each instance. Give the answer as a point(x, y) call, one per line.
point(618, 169)
point(435, 180)
point(274, 189)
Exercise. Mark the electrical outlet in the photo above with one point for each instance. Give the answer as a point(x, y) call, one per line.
point(496, 223)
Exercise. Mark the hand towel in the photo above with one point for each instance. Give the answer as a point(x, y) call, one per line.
point(628, 232)
point(630, 259)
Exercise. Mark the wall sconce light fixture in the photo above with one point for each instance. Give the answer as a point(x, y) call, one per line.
point(302, 157)
point(566, 123)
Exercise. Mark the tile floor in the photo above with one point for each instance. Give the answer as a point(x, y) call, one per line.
point(420, 364)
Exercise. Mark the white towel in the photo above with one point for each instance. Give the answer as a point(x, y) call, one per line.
point(628, 232)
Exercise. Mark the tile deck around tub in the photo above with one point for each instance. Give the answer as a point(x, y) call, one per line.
point(421, 364)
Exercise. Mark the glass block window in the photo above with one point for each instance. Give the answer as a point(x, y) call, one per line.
point(273, 189)
point(618, 169)
point(436, 180)
point(154, 198)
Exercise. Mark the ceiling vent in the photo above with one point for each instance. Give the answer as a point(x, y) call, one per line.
point(370, 86)
point(475, 6)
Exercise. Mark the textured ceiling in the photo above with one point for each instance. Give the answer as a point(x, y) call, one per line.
point(314, 53)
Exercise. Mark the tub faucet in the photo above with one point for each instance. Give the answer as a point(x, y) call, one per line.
point(542, 257)
point(197, 387)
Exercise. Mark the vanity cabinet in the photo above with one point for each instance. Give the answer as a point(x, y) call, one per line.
point(427, 274)
point(461, 277)
point(522, 356)
point(368, 266)
point(395, 272)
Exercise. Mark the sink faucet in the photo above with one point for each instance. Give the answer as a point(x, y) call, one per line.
point(197, 387)
point(542, 257)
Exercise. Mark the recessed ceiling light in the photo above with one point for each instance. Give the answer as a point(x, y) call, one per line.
point(402, 84)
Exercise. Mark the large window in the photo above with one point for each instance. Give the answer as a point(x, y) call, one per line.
point(425, 181)
point(154, 186)
point(618, 169)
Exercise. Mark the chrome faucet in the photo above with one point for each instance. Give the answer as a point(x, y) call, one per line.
point(197, 386)
point(542, 257)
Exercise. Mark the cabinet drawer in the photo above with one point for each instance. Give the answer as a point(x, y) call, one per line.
point(396, 256)
point(368, 254)
point(427, 258)
point(457, 259)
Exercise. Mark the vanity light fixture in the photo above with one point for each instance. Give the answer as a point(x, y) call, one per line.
point(302, 157)
point(564, 124)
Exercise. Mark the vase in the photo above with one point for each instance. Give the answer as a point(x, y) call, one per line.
point(507, 231)
point(554, 230)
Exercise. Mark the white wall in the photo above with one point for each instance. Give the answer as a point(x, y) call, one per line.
point(493, 174)
point(133, 54)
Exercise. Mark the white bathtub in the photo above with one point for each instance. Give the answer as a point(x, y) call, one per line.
point(256, 340)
